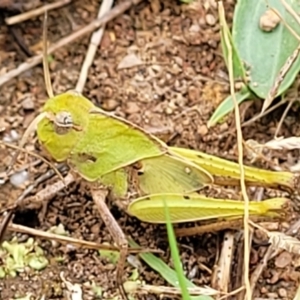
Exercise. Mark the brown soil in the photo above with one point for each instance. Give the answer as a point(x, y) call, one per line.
point(175, 91)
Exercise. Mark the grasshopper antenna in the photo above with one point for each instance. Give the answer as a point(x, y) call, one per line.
point(7, 218)
point(49, 92)
point(45, 59)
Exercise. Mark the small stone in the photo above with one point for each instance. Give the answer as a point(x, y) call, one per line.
point(282, 293)
point(19, 178)
point(110, 104)
point(132, 108)
point(274, 278)
point(28, 103)
point(283, 259)
point(269, 20)
point(223, 127)
point(194, 28)
point(3, 125)
point(210, 19)
point(263, 290)
point(169, 110)
point(95, 229)
point(193, 93)
point(202, 130)
point(272, 295)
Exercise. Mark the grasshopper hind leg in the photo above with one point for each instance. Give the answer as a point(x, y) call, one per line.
point(99, 196)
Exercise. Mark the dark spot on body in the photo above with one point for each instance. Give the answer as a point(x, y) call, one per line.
point(85, 157)
point(61, 130)
point(137, 165)
point(186, 197)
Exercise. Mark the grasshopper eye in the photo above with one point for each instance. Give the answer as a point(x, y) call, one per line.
point(63, 119)
point(63, 123)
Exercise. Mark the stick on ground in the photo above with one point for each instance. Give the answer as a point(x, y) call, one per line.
point(93, 46)
point(35, 12)
point(34, 61)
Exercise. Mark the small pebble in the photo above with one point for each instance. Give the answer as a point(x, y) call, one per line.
point(223, 127)
point(263, 290)
point(28, 103)
point(283, 259)
point(13, 136)
point(19, 178)
point(169, 110)
point(269, 21)
point(202, 130)
point(282, 293)
point(132, 108)
point(134, 261)
point(194, 28)
point(3, 125)
point(272, 295)
point(193, 93)
point(210, 19)
point(110, 104)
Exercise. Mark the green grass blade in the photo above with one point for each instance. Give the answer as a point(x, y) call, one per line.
point(227, 106)
point(175, 254)
point(166, 272)
point(239, 71)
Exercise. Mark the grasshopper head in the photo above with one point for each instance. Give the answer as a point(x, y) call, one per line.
point(66, 117)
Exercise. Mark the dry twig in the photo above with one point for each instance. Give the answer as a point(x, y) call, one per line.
point(222, 272)
point(240, 157)
point(35, 12)
point(32, 62)
point(93, 46)
point(69, 240)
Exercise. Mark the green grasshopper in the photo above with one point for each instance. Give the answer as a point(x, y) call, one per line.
point(103, 148)
point(107, 149)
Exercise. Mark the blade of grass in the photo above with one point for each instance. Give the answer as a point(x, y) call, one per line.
point(175, 254)
point(240, 155)
point(166, 272)
point(227, 105)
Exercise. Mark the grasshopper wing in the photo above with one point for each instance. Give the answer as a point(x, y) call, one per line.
point(171, 174)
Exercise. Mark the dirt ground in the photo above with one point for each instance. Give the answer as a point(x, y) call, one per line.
point(174, 88)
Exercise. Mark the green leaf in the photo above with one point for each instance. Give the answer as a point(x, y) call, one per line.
point(112, 256)
point(265, 52)
point(37, 262)
point(227, 106)
point(165, 271)
point(97, 290)
point(175, 254)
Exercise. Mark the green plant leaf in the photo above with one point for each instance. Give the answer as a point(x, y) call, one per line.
point(265, 52)
point(111, 256)
point(227, 106)
point(175, 254)
point(165, 271)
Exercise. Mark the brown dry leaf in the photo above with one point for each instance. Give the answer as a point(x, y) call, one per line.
point(281, 143)
point(290, 143)
point(285, 242)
